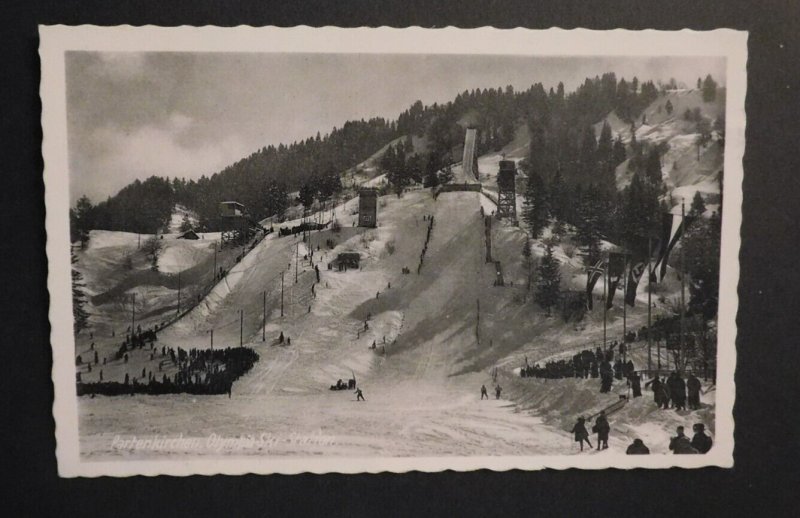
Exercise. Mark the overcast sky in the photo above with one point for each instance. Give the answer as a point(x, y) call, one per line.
point(133, 115)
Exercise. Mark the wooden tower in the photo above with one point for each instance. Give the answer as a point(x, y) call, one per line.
point(368, 208)
point(506, 190)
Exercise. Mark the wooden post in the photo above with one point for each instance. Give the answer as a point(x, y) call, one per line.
point(605, 306)
point(212, 339)
point(624, 309)
point(133, 313)
point(282, 293)
point(649, 302)
point(683, 301)
point(264, 327)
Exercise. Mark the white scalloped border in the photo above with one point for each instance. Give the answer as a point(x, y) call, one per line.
point(55, 40)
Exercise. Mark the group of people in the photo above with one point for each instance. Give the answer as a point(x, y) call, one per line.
point(200, 371)
point(671, 392)
point(680, 444)
point(601, 427)
point(668, 393)
point(498, 390)
point(302, 227)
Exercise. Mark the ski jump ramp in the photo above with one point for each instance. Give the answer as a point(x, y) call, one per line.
point(470, 160)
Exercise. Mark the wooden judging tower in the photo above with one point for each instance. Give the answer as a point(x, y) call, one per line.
point(368, 208)
point(506, 190)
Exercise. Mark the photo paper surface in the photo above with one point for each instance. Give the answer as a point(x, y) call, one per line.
point(287, 250)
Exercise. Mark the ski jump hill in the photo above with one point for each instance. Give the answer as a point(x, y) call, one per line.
point(420, 345)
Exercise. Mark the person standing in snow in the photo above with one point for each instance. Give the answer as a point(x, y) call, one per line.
point(497, 391)
point(359, 395)
point(580, 433)
point(678, 391)
point(700, 441)
point(637, 447)
point(694, 386)
point(680, 444)
point(636, 384)
point(606, 377)
point(602, 429)
point(484, 392)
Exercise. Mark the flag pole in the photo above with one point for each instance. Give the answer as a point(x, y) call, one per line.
point(649, 303)
point(683, 282)
point(624, 309)
point(605, 306)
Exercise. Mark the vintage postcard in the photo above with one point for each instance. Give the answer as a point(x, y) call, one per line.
point(286, 250)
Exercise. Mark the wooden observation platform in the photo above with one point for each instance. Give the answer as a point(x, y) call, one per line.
point(506, 190)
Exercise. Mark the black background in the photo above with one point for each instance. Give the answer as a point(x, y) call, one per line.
point(766, 477)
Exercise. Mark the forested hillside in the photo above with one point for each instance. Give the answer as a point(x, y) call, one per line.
point(562, 140)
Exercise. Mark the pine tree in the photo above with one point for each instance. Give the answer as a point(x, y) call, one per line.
point(535, 210)
point(557, 197)
point(605, 160)
point(527, 263)
point(652, 167)
point(619, 153)
point(186, 224)
point(152, 247)
point(80, 318)
point(709, 89)
point(698, 207)
point(307, 193)
point(432, 165)
point(548, 285)
point(81, 221)
point(702, 246)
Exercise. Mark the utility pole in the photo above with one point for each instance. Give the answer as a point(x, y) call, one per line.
point(683, 282)
point(264, 327)
point(214, 276)
point(212, 339)
point(133, 313)
point(282, 294)
point(625, 309)
point(649, 303)
point(296, 259)
point(605, 306)
point(478, 322)
point(241, 327)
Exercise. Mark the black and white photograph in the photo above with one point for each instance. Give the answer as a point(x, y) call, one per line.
point(357, 250)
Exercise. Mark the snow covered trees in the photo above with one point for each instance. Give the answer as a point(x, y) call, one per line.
point(186, 224)
point(274, 197)
point(394, 164)
point(307, 194)
point(80, 318)
point(702, 242)
point(535, 212)
point(548, 284)
point(81, 221)
point(709, 89)
point(152, 247)
point(698, 207)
